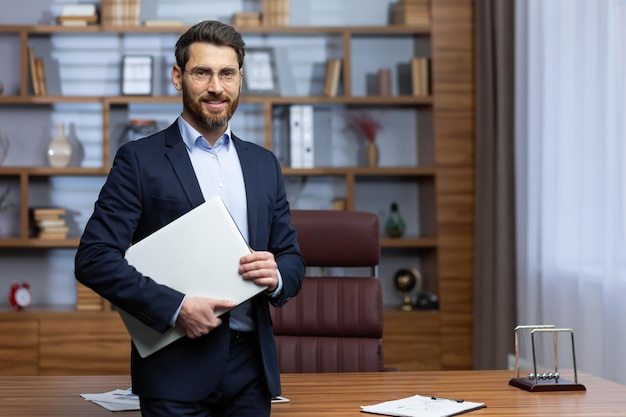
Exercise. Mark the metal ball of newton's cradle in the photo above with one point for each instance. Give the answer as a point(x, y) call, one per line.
point(406, 281)
point(544, 375)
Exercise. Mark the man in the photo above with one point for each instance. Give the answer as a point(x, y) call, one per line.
point(225, 366)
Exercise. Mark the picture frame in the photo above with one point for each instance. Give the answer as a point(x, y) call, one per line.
point(259, 72)
point(137, 73)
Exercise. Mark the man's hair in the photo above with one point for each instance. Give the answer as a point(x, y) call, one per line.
point(209, 31)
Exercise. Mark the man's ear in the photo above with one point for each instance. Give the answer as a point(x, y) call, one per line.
point(177, 75)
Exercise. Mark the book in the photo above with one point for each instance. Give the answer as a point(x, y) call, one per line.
point(51, 235)
point(403, 79)
point(162, 22)
point(420, 76)
point(384, 82)
point(50, 223)
point(121, 12)
point(48, 211)
point(406, 12)
point(422, 406)
point(77, 20)
point(78, 9)
point(55, 229)
point(276, 12)
point(87, 299)
point(333, 75)
point(246, 19)
point(32, 69)
point(41, 76)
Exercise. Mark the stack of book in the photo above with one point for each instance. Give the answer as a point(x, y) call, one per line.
point(49, 222)
point(247, 19)
point(411, 12)
point(121, 12)
point(87, 299)
point(75, 14)
point(276, 12)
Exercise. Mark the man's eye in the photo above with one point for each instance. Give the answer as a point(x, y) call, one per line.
point(201, 73)
point(228, 73)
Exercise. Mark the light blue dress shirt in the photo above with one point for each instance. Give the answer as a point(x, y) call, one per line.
point(219, 174)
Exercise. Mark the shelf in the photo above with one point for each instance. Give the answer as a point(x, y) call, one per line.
point(409, 242)
point(278, 100)
point(39, 243)
point(320, 171)
point(263, 30)
point(406, 242)
point(57, 311)
point(362, 171)
point(49, 171)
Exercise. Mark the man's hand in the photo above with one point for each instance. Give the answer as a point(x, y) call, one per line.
point(197, 315)
point(261, 268)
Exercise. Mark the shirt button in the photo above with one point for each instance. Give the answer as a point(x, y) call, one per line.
point(220, 184)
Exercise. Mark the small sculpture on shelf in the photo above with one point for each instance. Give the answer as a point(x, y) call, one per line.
point(60, 149)
point(4, 204)
point(4, 147)
point(394, 225)
point(408, 282)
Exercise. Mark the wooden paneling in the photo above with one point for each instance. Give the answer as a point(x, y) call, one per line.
point(411, 340)
point(454, 113)
point(89, 346)
point(19, 345)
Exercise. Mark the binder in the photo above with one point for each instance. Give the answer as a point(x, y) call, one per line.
point(197, 254)
point(308, 155)
point(296, 138)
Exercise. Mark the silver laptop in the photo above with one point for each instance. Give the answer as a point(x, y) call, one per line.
point(197, 254)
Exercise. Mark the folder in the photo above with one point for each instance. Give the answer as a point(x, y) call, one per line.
point(197, 254)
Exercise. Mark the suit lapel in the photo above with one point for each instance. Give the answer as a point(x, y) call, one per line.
point(176, 152)
point(251, 181)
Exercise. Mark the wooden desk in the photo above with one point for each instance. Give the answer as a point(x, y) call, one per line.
point(335, 395)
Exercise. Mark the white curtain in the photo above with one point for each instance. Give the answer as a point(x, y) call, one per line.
point(571, 170)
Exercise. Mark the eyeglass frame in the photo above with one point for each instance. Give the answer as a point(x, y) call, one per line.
point(211, 74)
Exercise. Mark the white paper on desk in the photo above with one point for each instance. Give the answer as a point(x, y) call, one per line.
point(420, 406)
point(116, 400)
point(197, 254)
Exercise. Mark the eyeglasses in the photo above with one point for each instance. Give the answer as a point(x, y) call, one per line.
point(203, 76)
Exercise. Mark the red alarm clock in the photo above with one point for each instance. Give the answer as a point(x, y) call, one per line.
point(20, 296)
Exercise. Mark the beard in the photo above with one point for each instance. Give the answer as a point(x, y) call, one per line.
point(209, 119)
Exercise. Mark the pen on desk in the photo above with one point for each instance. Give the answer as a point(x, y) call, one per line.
point(450, 399)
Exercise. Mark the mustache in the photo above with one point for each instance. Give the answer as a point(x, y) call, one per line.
point(215, 97)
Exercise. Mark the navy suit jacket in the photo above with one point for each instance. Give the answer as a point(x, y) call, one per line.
point(151, 183)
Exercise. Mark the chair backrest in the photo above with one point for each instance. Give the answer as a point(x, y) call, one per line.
point(335, 324)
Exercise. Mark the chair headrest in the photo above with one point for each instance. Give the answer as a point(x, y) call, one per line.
point(334, 238)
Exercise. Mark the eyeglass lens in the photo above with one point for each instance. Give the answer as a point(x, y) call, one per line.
point(202, 76)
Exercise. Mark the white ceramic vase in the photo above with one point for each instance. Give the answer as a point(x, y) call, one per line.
point(60, 149)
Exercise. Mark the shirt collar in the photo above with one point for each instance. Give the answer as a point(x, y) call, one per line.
point(191, 135)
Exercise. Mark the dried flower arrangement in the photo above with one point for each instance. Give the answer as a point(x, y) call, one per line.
point(364, 124)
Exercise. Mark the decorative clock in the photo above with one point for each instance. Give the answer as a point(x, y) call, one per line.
point(20, 296)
